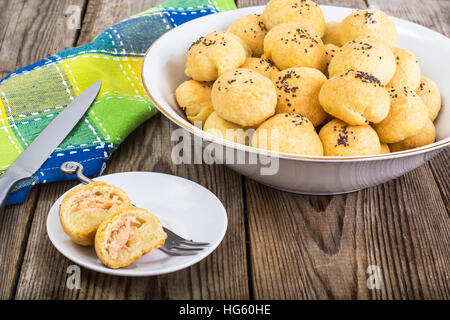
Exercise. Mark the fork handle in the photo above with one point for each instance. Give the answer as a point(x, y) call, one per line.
point(72, 167)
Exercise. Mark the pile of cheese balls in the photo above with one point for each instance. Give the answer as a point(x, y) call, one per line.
point(288, 81)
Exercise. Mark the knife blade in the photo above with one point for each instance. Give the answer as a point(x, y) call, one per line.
point(47, 141)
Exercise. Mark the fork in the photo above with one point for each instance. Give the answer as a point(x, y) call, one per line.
point(174, 245)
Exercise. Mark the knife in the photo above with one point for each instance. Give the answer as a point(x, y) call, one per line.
point(47, 141)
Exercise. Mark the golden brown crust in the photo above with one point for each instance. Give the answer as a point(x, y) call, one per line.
point(127, 235)
point(355, 97)
point(369, 22)
point(84, 208)
point(194, 98)
point(428, 91)
point(340, 139)
point(251, 30)
point(289, 133)
point(292, 44)
point(298, 92)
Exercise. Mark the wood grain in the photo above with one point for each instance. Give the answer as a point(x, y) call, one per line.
point(147, 149)
point(29, 31)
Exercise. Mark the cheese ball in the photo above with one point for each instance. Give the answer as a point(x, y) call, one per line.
point(369, 22)
point(428, 91)
point(407, 72)
point(298, 92)
point(289, 133)
point(227, 130)
point(215, 54)
point(407, 116)
point(291, 45)
point(331, 35)
point(384, 148)
point(304, 12)
point(244, 97)
point(195, 99)
point(426, 135)
point(368, 55)
point(341, 139)
point(263, 66)
point(355, 97)
point(330, 52)
point(251, 30)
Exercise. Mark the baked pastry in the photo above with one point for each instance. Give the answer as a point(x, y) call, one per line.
point(428, 91)
point(368, 55)
point(384, 148)
point(331, 35)
point(291, 45)
point(304, 12)
point(214, 54)
point(84, 208)
point(407, 116)
point(341, 139)
point(289, 133)
point(227, 130)
point(251, 30)
point(366, 22)
point(407, 72)
point(355, 97)
point(298, 92)
point(330, 52)
point(425, 136)
point(244, 97)
point(262, 65)
point(126, 235)
point(194, 98)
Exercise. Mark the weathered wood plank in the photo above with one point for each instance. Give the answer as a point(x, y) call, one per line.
point(147, 149)
point(309, 247)
point(29, 31)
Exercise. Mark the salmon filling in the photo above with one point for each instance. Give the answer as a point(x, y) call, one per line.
point(120, 236)
point(98, 201)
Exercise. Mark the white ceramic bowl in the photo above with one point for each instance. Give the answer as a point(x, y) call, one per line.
point(163, 71)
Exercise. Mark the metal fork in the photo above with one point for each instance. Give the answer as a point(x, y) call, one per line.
point(174, 245)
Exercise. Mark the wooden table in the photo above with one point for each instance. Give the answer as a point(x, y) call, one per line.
point(278, 245)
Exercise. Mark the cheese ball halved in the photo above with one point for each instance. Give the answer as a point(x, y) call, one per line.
point(84, 208)
point(298, 92)
point(428, 91)
point(127, 235)
point(262, 65)
point(369, 22)
point(227, 130)
point(289, 133)
point(355, 97)
point(341, 139)
point(291, 45)
point(214, 54)
point(407, 116)
point(407, 72)
point(305, 12)
point(426, 135)
point(244, 97)
point(331, 35)
point(368, 55)
point(251, 30)
point(194, 98)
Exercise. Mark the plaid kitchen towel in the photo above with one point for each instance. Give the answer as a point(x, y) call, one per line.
point(32, 96)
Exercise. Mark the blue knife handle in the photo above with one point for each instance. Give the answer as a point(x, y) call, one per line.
point(8, 181)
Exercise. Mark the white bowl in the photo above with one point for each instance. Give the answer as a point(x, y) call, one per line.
point(163, 71)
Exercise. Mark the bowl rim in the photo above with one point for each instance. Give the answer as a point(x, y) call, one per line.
point(283, 155)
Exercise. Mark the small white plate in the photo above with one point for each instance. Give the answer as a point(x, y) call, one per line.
point(183, 206)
